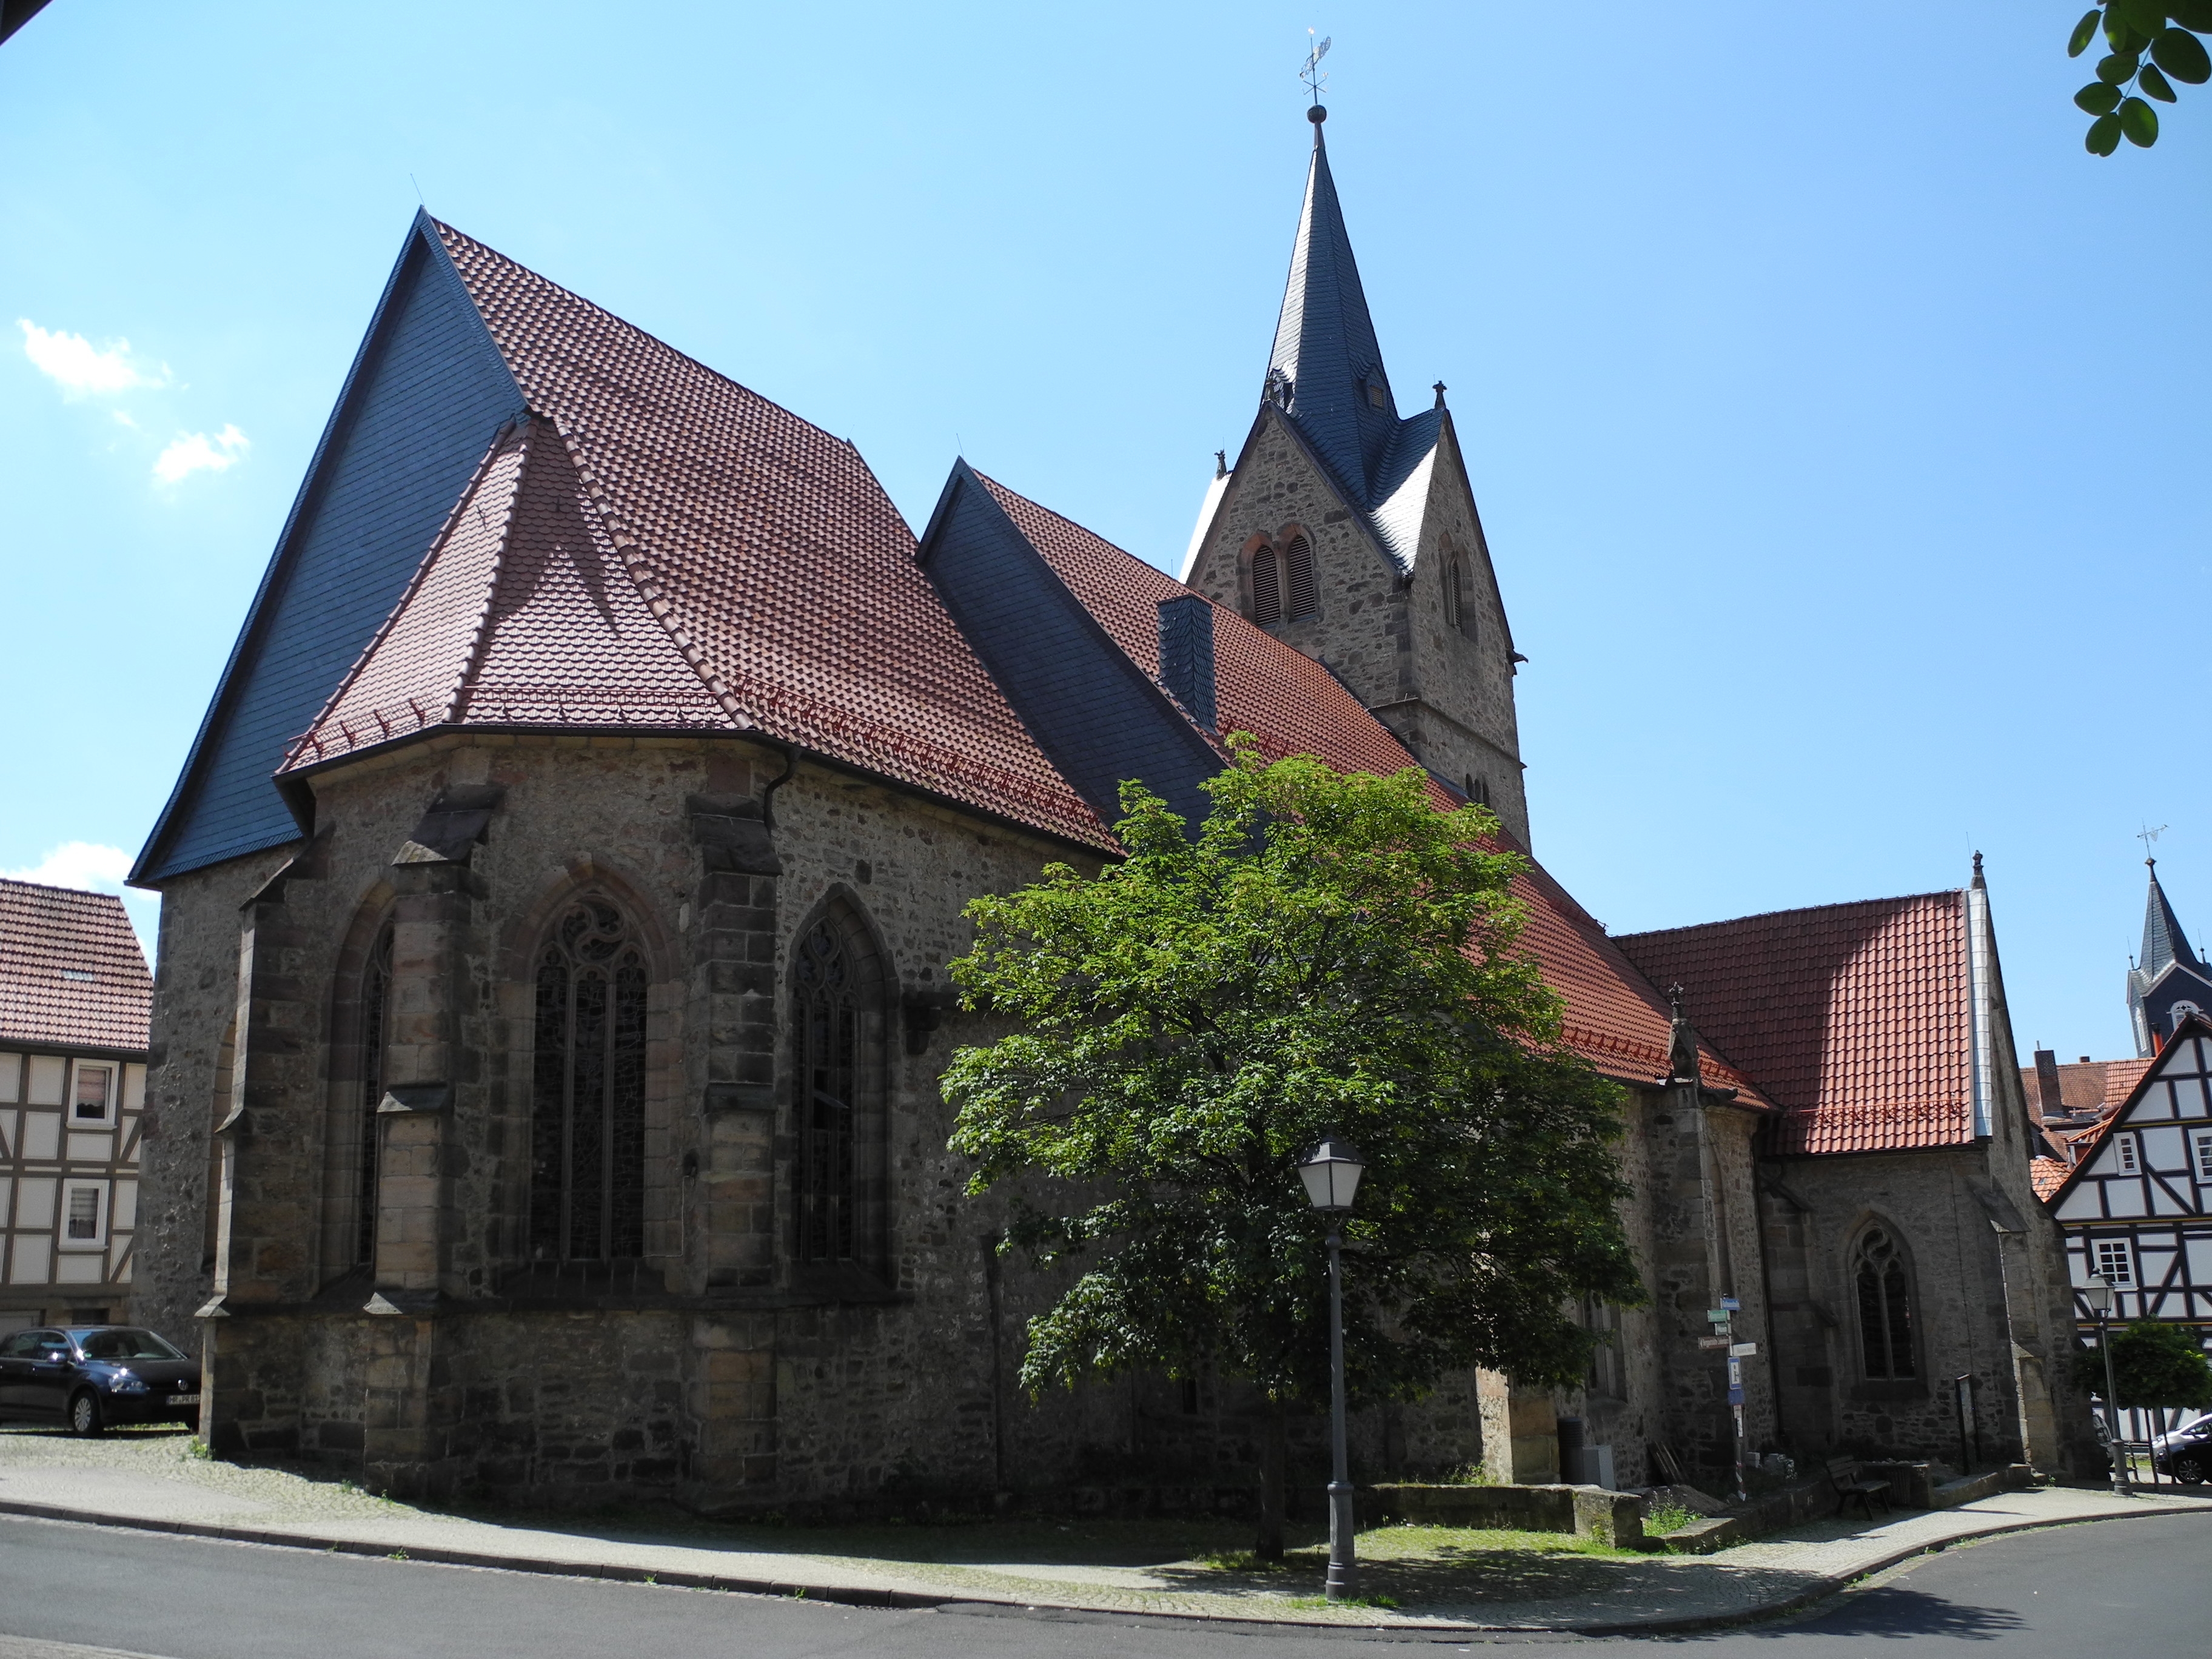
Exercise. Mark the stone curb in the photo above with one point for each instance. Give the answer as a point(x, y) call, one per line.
point(860, 1596)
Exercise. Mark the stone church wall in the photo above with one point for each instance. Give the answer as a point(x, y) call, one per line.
point(726, 1378)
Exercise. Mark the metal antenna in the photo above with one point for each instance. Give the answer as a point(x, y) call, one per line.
point(1312, 74)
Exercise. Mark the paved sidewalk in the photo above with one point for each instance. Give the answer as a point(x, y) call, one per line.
point(153, 1481)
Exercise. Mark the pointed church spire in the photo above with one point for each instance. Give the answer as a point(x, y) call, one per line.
point(2162, 940)
point(1327, 369)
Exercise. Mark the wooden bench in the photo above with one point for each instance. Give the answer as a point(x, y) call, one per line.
point(1851, 1487)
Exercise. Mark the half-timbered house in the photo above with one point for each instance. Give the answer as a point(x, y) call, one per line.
point(2138, 1208)
point(75, 997)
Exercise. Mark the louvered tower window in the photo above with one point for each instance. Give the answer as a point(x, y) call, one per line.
point(587, 1091)
point(375, 1025)
point(1298, 578)
point(1885, 1299)
point(1266, 589)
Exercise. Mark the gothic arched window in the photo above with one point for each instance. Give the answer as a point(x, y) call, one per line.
point(1267, 588)
point(837, 1072)
point(587, 1091)
point(1458, 614)
point(376, 1035)
point(1884, 1290)
point(1301, 601)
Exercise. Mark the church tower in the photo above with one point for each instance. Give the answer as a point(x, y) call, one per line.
point(1352, 533)
point(2168, 984)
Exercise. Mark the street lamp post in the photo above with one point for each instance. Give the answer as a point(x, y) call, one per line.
point(2098, 1293)
point(1331, 1172)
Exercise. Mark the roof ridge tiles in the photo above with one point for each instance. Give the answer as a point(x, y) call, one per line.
point(1796, 910)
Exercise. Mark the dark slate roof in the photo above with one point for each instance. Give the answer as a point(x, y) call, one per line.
point(425, 395)
point(1325, 344)
point(2162, 938)
point(72, 973)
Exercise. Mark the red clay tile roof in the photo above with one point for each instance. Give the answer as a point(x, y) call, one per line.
point(71, 972)
point(780, 576)
point(2048, 1173)
point(2094, 1085)
point(1852, 1017)
point(1292, 705)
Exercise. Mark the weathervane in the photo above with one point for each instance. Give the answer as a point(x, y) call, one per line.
point(1312, 74)
point(2148, 837)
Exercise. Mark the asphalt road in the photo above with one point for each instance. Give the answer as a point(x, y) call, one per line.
point(2117, 1589)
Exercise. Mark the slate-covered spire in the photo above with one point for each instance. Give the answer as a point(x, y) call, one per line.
point(1327, 369)
point(2162, 939)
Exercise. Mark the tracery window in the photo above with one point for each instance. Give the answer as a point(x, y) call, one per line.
point(826, 1023)
point(375, 1025)
point(1885, 1299)
point(587, 1091)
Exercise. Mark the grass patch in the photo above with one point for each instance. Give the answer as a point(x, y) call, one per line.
point(1663, 1518)
point(1388, 1601)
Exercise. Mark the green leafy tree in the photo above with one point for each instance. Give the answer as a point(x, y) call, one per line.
point(2153, 1364)
point(2151, 47)
point(1328, 953)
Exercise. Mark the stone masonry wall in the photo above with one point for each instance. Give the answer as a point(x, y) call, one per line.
point(824, 1394)
point(1448, 699)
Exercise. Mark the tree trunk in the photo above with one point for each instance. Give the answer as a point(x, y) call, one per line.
point(1274, 1460)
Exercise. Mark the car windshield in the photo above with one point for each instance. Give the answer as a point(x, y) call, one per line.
point(126, 1345)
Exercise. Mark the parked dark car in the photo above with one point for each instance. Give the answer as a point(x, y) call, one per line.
point(92, 1376)
point(2185, 1453)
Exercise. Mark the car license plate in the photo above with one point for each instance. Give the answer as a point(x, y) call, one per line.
point(184, 1399)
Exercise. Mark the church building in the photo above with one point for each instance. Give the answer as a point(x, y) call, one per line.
point(558, 894)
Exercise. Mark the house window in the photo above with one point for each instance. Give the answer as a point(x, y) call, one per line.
point(1885, 1299)
point(2200, 1143)
point(375, 1017)
point(587, 1091)
point(1298, 577)
point(2115, 1264)
point(93, 1098)
point(85, 1215)
point(2125, 1154)
point(1377, 396)
point(1266, 589)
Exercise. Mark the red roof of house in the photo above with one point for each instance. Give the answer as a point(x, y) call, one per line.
point(72, 973)
point(662, 547)
point(1852, 1017)
point(2048, 1175)
point(2089, 1086)
point(1292, 705)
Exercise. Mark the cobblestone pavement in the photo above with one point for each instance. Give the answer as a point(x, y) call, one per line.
point(154, 1479)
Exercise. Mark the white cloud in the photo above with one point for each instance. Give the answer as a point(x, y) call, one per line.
point(85, 865)
point(80, 367)
point(123, 417)
point(194, 452)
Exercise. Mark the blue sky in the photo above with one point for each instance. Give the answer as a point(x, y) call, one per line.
point(1839, 425)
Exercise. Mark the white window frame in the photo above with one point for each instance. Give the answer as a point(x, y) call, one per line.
point(2122, 1250)
point(103, 1208)
point(2200, 1146)
point(107, 1118)
point(2127, 1156)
